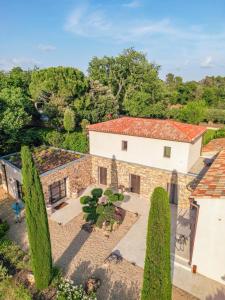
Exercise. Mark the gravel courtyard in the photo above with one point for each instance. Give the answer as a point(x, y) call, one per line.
point(81, 254)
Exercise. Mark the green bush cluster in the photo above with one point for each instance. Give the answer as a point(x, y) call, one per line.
point(9, 289)
point(76, 141)
point(13, 253)
point(215, 115)
point(4, 227)
point(99, 212)
point(212, 134)
point(3, 273)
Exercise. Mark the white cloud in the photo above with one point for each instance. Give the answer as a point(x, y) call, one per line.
point(207, 62)
point(132, 4)
point(87, 22)
point(25, 63)
point(169, 43)
point(46, 47)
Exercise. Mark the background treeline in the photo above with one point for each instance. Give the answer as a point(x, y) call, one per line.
point(54, 105)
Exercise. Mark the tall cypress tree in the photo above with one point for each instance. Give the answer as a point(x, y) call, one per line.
point(37, 221)
point(157, 270)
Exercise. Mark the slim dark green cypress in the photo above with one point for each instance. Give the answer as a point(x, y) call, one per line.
point(37, 221)
point(157, 271)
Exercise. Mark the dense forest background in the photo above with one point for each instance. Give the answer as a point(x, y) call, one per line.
point(53, 106)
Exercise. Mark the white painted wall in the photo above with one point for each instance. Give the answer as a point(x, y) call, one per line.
point(13, 174)
point(209, 246)
point(144, 151)
point(194, 152)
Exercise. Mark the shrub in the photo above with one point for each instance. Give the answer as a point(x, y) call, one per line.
point(102, 212)
point(157, 273)
point(108, 192)
point(55, 139)
point(97, 193)
point(211, 134)
point(208, 136)
point(4, 227)
point(84, 123)
point(9, 290)
point(89, 208)
point(219, 133)
point(85, 199)
point(13, 254)
point(3, 273)
point(216, 115)
point(76, 141)
point(34, 136)
point(106, 213)
point(116, 197)
point(66, 290)
point(194, 112)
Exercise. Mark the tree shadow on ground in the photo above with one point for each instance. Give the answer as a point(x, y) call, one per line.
point(110, 289)
point(220, 295)
point(71, 251)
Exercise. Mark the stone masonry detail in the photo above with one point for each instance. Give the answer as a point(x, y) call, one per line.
point(78, 176)
point(118, 173)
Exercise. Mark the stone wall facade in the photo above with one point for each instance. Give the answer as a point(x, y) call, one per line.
point(118, 173)
point(77, 174)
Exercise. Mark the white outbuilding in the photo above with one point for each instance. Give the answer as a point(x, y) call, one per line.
point(209, 242)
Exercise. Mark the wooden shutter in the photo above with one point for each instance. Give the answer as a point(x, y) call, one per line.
point(103, 175)
point(135, 181)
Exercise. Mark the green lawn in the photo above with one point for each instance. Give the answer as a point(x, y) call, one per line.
point(213, 134)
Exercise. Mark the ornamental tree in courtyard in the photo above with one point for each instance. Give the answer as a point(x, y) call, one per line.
point(157, 272)
point(37, 221)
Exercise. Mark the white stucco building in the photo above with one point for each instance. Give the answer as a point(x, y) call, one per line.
point(209, 240)
point(163, 144)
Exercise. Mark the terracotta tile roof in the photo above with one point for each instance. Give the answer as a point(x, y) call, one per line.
point(212, 184)
point(151, 128)
point(214, 145)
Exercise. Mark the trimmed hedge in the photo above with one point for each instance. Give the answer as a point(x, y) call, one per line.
point(157, 270)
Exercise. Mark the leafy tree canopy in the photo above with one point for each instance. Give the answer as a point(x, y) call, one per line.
point(99, 104)
point(129, 70)
point(64, 82)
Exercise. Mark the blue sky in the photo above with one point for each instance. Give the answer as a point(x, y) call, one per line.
point(185, 37)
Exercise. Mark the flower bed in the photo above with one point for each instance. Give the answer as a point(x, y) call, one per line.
point(67, 290)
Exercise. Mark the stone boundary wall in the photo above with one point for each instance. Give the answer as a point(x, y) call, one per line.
point(78, 176)
point(118, 174)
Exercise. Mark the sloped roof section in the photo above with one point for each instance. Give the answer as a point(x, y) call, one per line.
point(215, 146)
point(151, 128)
point(212, 184)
